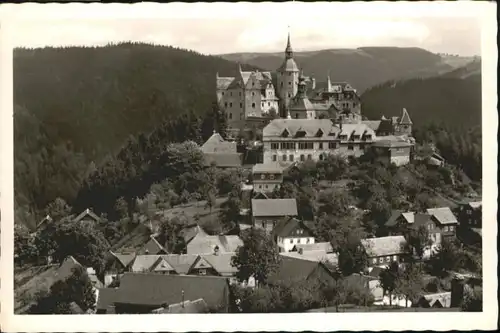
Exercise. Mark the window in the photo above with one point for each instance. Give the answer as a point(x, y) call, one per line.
point(374, 260)
point(381, 260)
point(225, 104)
point(395, 258)
point(368, 137)
point(289, 83)
point(302, 157)
point(298, 241)
point(309, 157)
point(253, 94)
point(289, 95)
point(230, 116)
point(429, 227)
point(265, 186)
point(446, 228)
point(308, 241)
point(275, 145)
point(284, 157)
point(281, 84)
point(361, 146)
point(271, 177)
point(288, 145)
point(202, 272)
point(222, 93)
point(253, 105)
point(388, 259)
point(290, 158)
point(321, 157)
point(268, 103)
point(262, 176)
point(332, 145)
point(343, 137)
point(320, 146)
point(306, 145)
point(350, 147)
point(274, 158)
point(452, 228)
point(291, 240)
point(241, 105)
point(230, 105)
point(355, 137)
point(231, 93)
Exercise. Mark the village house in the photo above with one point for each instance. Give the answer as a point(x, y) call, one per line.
point(221, 153)
point(445, 220)
point(267, 213)
point(292, 270)
point(203, 243)
point(87, 216)
point(298, 140)
point(290, 232)
point(146, 292)
point(152, 247)
point(116, 264)
point(398, 221)
point(397, 152)
point(469, 214)
point(267, 177)
point(382, 251)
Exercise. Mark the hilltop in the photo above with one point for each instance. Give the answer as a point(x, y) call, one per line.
point(362, 67)
point(456, 93)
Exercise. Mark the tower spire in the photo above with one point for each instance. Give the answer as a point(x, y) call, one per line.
point(288, 50)
point(329, 83)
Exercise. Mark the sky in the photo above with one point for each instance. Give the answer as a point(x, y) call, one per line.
point(451, 27)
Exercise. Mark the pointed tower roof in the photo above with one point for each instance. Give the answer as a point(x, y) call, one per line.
point(329, 84)
point(288, 50)
point(405, 118)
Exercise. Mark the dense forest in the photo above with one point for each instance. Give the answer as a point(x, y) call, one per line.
point(87, 118)
point(75, 106)
point(362, 67)
point(446, 111)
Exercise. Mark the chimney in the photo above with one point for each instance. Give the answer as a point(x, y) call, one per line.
point(182, 303)
point(146, 251)
point(216, 250)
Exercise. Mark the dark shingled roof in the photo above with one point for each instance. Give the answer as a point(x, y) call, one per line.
point(274, 207)
point(285, 227)
point(158, 289)
point(293, 270)
point(87, 212)
point(224, 160)
point(152, 247)
point(106, 297)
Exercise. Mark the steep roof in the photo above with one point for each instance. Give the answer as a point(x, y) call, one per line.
point(444, 215)
point(196, 306)
point(205, 244)
point(87, 212)
point(288, 65)
point(267, 168)
point(143, 263)
point(409, 217)
point(124, 258)
point(217, 144)
point(152, 247)
point(309, 126)
point(293, 270)
point(274, 207)
point(224, 82)
point(189, 233)
point(301, 104)
point(315, 256)
point(66, 268)
point(421, 219)
point(182, 263)
point(405, 118)
point(158, 289)
point(384, 246)
point(286, 227)
point(373, 124)
point(322, 246)
point(221, 263)
point(224, 160)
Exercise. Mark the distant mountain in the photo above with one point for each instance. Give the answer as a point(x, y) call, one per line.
point(363, 67)
point(452, 98)
point(94, 98)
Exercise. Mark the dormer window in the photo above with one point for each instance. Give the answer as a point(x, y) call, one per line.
point(319, 134)
point(300, 133)
point(285, 133)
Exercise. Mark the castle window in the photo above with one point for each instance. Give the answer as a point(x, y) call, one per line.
point(368, 137)
point(289, 83)
point(241, 105)
point(230, 105)
point(253, 105)
point(306, 145)
point(274, 158)
point(281, 84)
point(222, 93)
point(296, 116)
point(253, 94)
point(274, 146)
point(225, 104)
point(290, 158)
point(288, 145)
point(271, 177)
point(289, 95)
point(309, 157)
point(320, 146)
point(350, 147)
point(230, 116)
point(332, 145)
point(321, 157)
point(268, 103)
point(284, 157)
point(302, 157)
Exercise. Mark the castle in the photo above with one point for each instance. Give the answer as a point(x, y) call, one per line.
point(253, 94)
point(312, 121)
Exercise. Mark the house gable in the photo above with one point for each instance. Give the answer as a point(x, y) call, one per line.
point(201, 263)
point(162, 266)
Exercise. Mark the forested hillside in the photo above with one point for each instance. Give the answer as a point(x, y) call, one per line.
point(74, 106)
point(445, 110)
point(363, 67)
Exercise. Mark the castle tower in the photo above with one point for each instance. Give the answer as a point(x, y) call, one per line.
point(288, 78)
point(405, 124)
